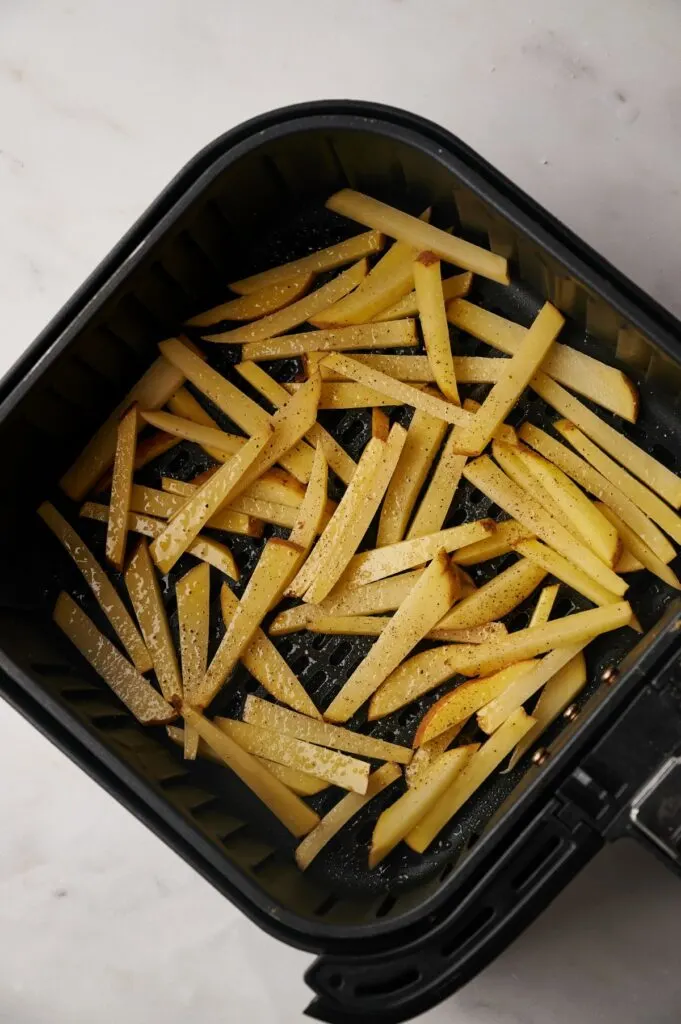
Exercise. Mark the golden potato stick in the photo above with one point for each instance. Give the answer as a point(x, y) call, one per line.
point(252, 306)
point(629, 563)
point(215, 441)
point(439, 494)
point(425, 755)
point(504, 432)
point(591, 480)
point(151, 392)
point(526, 510)
point(425, 671)
point(338, 459)
point(424, 437)
point(468, 369)
point(138, 695)
point(152, 502)
point(121, 487)
point(147, 449)
point(386, 282)
point(637, 549)
point(264, 662)
point(603, 384)
point(654, 507)
point(266, 585)
point(499, 542)
point(473, 635)
point(267, 511)
point(380, 424)
point(418, 234)
point(453, 288)
point(559, 566)
point(541, 612)
point(184, 405)
point(401, 817)
point(342, 813)
point(427, 602)
point(496, 598)
point(185, 526)
point(396, 389)
point(396, 334)
point(290, 723)
point(193, 614)
point(297, 313)
point(275, 485)
point(347, 395)
point(312, 512)
point(434, 326)
point(145, 594)
point(373, 625)
point(324, 259)
point(555, 696)
point(285, 805)
point(644, 466)
point(479, 767)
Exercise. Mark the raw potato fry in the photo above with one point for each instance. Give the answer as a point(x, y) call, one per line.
point(497, 598)
point(259, 303)
point(504, 432)
point(500, 542)
point(559, 566)
point(468, 369)
point(424, 437)
point(427, 602)
point(193, 615)
point(644, 466)
point(453, 288)
point(324, 259)
point(395, 389)
point(265, 587)
point(151, 392)
point(603, 384)
point(185, 526)
point(184, 405)
point(395, 558)
point(425, 671)
point(544, 606)
point(274, 485)
point(638, 550)
point(396, 334)
point(145, 594)
point(264, 662)
point(592, 481)
point(373, 625)
point(267, 511)
point(334, 767)
point(401, 817)
point(212, 439)
point(628, 563)
point(290, 723)
point(479, 766)
point(102, 588)
point(389, 280)
point(298, 818)
point(433, 318)
point(526, 510)
point(138, 695)
point(312, 510)
point(459, 704)
point(558, 693)
point(427, 754)
point(121, 487)
point(346, 394)
point(439, 494)
point(418, 234)
point(148, 448)
point(297, 313)
point(380, 424)
point(342, 813)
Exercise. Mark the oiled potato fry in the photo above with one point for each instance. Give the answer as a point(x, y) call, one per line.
point(640, 551)
point(496, 598)
point(396, 334)
point(427, 754)
point(254, 305)
point(556, 695)
point(434, 326)
point(193, 616)
point(415, 369)
point(211, 438)
point(439, 494)
point(324, 259)
point(345, 394)
point(121, 488)
point(541, 612)
point(312, 511)
point(499, 542)
point(373, 625)
point(145, 594)
point(453, 288)
point(560, 567)
point(389, 280)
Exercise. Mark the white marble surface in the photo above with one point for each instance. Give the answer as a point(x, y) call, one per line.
point(100, 104)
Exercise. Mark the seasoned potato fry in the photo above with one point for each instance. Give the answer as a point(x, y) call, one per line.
point(417, 369)
point(184, 405)
point(499, 542)
point(504, 432)
point(145, 594)
point(193, 617)
point(121, 487)
point(311, 516)
point(138, 695)
point(434, 327)
point(254, 305)
point(274, 485)
point(555, 696)
point(396, 334)
point(148, 448)
point(541, 612)
point(453, 288)
point(401, 817)
point(258, 508)
point(342, 813)
point(418, 234)
point(496, 598)
point(373, 625)
point(439, 494)
point(387, 282)
point(427, 754)
point(324, 259)
point(298, 818)
point(560, 567)
point(628, 562)
point(240, 517)
point(211, 438)
point(345, 394)
point(380, 424)
point(637, 549)
point(102, 588)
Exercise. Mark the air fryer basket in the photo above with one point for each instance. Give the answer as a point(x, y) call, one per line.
point(251, 200)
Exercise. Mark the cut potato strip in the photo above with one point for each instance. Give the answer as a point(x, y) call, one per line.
point(258, 508)
point(425, 671)
point(145, 594)
point(418, 234)
point(603, 384)
point(556, 695)
point(294, 814)
point(424, 437)
point(395, 558)
point(591, 480)
point(297, 313)
point(373, 625)
point(496, 598)
point(264, 662)
point(342, 813)
point(193, 618)
point(628, 562)
point(311, 517)
point(153, 390)
point(551, 561)
point(147, 449)
point(453, 288)
point(346, 394)
point(397, 821)
point(638, 550)
point(439, 494)
point(427, 754)
point(290, 723)
point(380, 424)
point(395, 389)
point(184, 405)
point(336, 768)
point(483, 473)
point(541, 612)
point(417, 369)
point(479, 766)
point(504, 432)
point(387, 282)
point(324, 259)
point(138, 695)
point(102, 588)
point(121, 488)
point(256, 304)
point(396, 334)
point(427, 602)
point(434, 326)
point(274, 485)
point(644, 466)
point(240, 517)
point(499, 542)
point(211, 438)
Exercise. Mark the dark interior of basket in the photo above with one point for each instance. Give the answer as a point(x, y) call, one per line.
point(264, 209)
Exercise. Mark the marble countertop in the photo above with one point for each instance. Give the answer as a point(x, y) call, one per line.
point(100, 104)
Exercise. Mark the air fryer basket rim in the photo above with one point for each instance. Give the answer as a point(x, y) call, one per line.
point(582, 262)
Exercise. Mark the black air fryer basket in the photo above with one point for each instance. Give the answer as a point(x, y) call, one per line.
point(397, 940)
